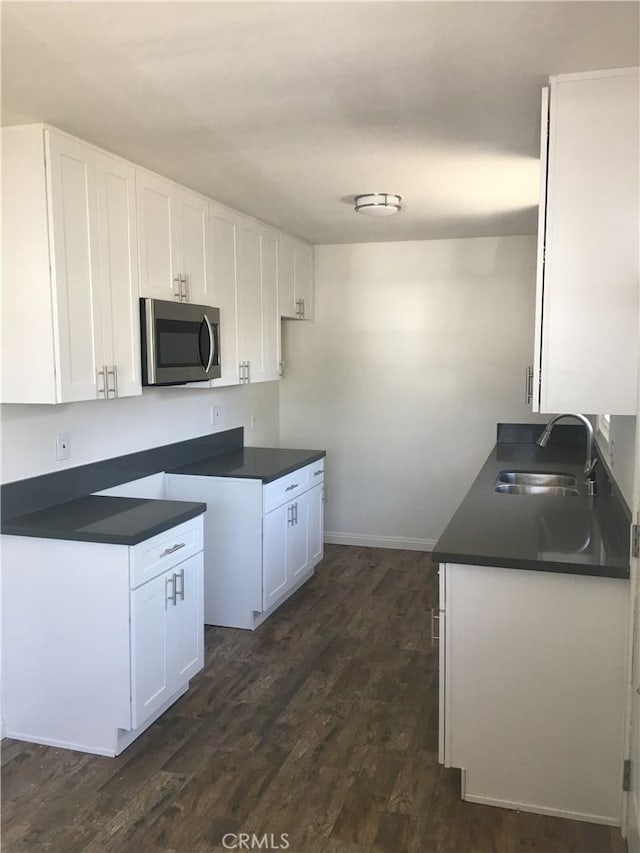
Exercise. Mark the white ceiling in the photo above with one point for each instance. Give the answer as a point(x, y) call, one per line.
point(287, 110)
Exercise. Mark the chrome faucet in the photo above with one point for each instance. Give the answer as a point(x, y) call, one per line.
point(590, 463)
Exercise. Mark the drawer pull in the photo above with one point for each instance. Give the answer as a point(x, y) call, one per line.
point(292, 486)
point(319, 471)
point(173, 550)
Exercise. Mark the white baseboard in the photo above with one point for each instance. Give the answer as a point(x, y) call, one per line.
point(633, 825)
point(333, 537)
point(544, 810)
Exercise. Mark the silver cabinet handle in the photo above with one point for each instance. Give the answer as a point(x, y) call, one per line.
point(185, 288)
point(172, 597)
point(319, 471)
point(295, 512)
point(179, 592)
point(173, 550)
point(102, 373)
point(211, 346)
point(292, 486)
point(248, 371)
point(435, 621)
point(302, 307)
point(113, 392)
point(290, 516)
point(177, 288)
point(281, 368)
point(528, 392)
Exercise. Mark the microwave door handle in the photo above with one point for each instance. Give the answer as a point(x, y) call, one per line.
point(211, 344)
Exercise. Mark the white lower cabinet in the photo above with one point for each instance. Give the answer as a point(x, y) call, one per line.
point(532, 689)
point(260, 542)
point(167, 650)
point(99, 640)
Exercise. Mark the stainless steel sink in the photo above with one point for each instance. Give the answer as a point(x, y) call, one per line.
point(520, 489)
point(536, 478)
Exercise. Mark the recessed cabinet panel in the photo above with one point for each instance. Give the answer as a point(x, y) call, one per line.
point(250, 332)
point(223, 294)
point(193, 220)
point(187, 643)
point(275, 528)
point(119, 262)
point(316, 523)
point(150, 675)
point(75, 265)
point(157, 238)
point(269, 300)
point(298, 540)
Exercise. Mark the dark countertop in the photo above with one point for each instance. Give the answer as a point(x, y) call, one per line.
point(252, 463)
point(127, 521)
point(575, 535)
point(101, 518)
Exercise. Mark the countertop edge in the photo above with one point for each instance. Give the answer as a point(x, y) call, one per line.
point(548, 566)
point(106, 538)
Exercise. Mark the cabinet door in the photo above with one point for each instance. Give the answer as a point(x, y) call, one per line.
point(151, 682)
point(316, 524)
point(269, 368)
point(117, 237)
point(275, 527)
point(286, 298)
point(591, 266)
point(186, 622)
point(223, 293)
point(158, 237)
point(192, 216)
point(304, 281)
point(75, 266)
point(298, 540)
point(249, 297)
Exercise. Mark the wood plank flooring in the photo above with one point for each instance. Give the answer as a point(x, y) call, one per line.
point(322, 725)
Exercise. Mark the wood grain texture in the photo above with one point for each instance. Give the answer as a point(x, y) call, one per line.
point(322, 724)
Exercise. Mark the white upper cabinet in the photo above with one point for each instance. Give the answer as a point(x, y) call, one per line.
point(223, 288)
point(295, 278)
point(173, 225)
point(586, 351)
point(69, 247)
point(257, 301)
point(118, 251)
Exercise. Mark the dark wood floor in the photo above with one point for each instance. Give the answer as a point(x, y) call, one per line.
point(322, 725)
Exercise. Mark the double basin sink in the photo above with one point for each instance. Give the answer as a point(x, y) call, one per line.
point(536, 483)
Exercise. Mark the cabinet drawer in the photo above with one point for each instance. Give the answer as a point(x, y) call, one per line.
point(162, 552)
point(286, 488)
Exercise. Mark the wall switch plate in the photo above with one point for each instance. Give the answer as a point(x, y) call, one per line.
point(216, 415)
point(63, 446)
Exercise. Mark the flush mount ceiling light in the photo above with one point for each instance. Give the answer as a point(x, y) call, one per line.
point(378, 204)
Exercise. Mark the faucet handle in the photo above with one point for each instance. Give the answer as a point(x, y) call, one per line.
point(589, 465)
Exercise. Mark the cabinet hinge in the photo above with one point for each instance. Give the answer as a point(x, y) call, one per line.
point(635, 540)
point(626, 775)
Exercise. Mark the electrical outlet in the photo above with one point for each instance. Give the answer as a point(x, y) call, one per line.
point(216, 415)
point(253, 420)
point(63, 446)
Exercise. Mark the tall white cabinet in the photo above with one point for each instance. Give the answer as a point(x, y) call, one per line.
point(69, 268)
point(586, 343)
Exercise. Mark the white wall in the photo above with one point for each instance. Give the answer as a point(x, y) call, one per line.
point(622, 453)
point(418, 349)
point(106, 428)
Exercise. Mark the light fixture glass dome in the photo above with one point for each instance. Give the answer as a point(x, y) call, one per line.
point(378, 204)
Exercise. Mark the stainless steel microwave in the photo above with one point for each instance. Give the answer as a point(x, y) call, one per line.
point(180, 342)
